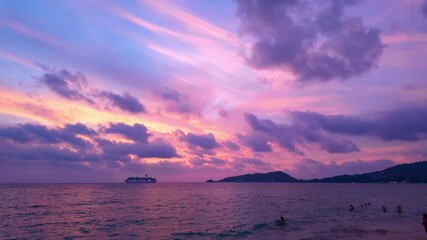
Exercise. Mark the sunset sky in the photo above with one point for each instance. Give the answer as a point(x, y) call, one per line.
point(96, 91)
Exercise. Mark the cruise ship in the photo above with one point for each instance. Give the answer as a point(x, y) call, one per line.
point(146, 179)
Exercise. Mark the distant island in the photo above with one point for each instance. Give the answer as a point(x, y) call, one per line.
point(260, 177)
point(409, 172)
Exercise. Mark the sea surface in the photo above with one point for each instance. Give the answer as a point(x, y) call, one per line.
point(211, 211)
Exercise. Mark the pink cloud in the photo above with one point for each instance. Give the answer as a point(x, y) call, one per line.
point(18, 27)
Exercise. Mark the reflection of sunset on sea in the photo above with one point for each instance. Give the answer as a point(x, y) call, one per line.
point(196, 90)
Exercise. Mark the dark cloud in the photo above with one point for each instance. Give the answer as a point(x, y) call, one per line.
point(33, 133)
point(156, 149)
point(424, 8)
point(62, 147)
point(255, 163)
point(289, 135)
point(177, 101)
point(169, 94)
point(309, 168)
point(71, 85)
point(137, 132)
point(333, 145)
point(125, 102)
point(79, 128)
point(404, 124)
point(263, 125)
point(257, 141)
point(210, 161)
point(283, 134)
point(44, 154)
point(67, 84)
point(217, 161)
point(314, 39)
point(205, 141)
point(231, 145)
point(163, 167)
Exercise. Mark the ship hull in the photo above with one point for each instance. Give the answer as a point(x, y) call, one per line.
point(141, 180)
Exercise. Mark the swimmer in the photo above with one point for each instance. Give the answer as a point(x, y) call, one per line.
point(384, 209)
point(425, 222)
point(399, 208)
point(280, 222)
point(351, 208)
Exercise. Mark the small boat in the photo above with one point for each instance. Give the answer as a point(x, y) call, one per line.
point(146, 179)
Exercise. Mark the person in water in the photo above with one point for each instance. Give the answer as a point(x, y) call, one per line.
point(399, 208)
point(280, 222)
point(425, 222)
point(384, 209)
point(351, 208)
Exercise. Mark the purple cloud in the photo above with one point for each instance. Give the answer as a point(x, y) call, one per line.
point(231, 145)
point(210, 161)
point(137, 132)
point(404, 124)
point(333, 145)
point(43, 155)
point(313, 39)
point(242, 163)
point(263, 125)
point(205, 141)
point(253, 161)
point(169, 94)
point(62, 147)
point(125, 102)
point(178, 102)
point(424, 8)
point(66, 84)
point(70, 85)
point(309, 168)
point(33, 134)
point(288, 135)
point(257, 141)
point(156, 149)
point(79, 128)
point(162, 167)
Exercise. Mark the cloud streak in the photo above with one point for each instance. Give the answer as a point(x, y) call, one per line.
point(66, 84)
point(137, 132)
point(402, 124)
point(289, 135)
point(74, 86)
point(177, 102)
point(125, 102)
point(204, 141)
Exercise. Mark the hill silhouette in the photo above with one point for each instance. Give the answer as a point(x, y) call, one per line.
point(261, 177)
point(408, 172)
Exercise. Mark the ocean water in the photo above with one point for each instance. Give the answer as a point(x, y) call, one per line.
point(211, 211)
